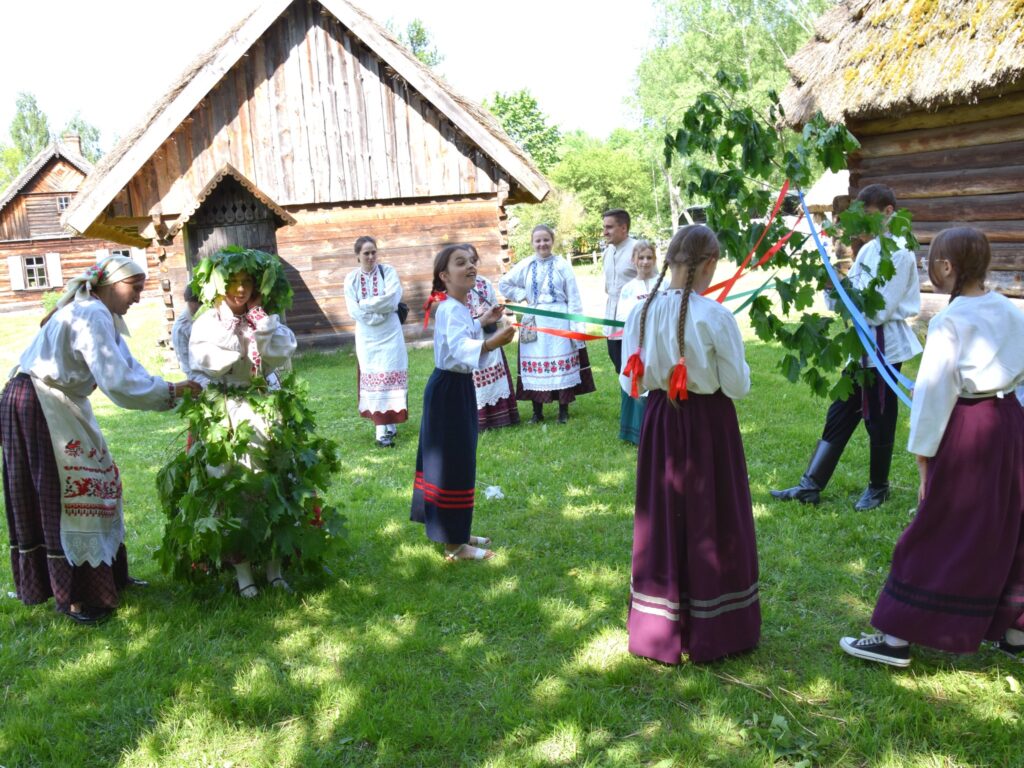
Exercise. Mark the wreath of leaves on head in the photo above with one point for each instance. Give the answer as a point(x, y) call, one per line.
point(211, 276)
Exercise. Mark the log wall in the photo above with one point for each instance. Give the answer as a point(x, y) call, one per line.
point(962, 165)
point(312, 117)
point(318, 255)
point(33, 213)
point(76, 255)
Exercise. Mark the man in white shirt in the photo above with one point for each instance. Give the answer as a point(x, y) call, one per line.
point(875, 404)
point(618, 269)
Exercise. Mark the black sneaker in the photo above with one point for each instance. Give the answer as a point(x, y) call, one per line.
point(874, 648)
point(1010, 649)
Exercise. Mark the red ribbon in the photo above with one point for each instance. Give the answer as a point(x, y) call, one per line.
point(434, 297)
point(574, 335)
point(727, 285)
point(677, 381)
point(635, 370)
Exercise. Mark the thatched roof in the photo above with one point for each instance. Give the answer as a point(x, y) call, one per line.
point(53, 150)
point(119, 166)
point(871, 58)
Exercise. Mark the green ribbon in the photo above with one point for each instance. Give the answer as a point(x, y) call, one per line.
point(751, 295)
point(566, 316)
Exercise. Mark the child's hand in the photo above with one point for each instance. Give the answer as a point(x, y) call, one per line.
point(501, 338)
point(922, 470)
point(493, 315)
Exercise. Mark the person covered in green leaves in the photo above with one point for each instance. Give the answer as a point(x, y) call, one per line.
point(250, 420)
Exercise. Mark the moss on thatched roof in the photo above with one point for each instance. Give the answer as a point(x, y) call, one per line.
point(889, 57)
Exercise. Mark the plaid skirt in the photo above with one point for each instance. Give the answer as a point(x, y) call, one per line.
point(33, 507)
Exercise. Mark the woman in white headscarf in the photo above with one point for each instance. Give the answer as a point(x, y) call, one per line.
point(62, 489)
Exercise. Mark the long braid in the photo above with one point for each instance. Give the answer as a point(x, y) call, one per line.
point(684, 307)
point(647, 302)
point(634, 367)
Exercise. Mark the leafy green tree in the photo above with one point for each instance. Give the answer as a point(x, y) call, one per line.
point(30, 130)
point(416, 37)
point(521, 117)
point(89, 135)
point(605, 175)
point(746, 158)
point(693, 41)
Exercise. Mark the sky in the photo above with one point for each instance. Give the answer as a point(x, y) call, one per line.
point(111, 59)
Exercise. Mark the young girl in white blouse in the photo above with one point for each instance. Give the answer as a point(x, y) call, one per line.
point(636, 291)
point(957, 573)
point(695, 576)
point(444, 490)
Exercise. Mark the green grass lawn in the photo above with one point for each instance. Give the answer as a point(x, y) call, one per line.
point(395, 658)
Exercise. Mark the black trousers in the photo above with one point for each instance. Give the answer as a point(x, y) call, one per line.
point(615, 353)
point(879, 421)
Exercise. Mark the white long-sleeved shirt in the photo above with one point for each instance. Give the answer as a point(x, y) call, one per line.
point(617, 262)
point(634, 292)
point(373, 297)
point(975, 348)
point(219, 350)
point(714, 347)
point(902, 294)
point(458, 338)
point(79, 349)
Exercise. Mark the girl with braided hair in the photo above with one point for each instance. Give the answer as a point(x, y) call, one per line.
point(957, 573)
point(694, 588)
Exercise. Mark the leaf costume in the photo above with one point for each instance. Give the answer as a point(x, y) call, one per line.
point(250, 486)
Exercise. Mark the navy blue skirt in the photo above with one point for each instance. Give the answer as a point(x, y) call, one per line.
point(443, 494)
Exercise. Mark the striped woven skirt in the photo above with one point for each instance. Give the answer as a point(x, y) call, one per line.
point(694, 589)
point(445, 486)
point(957, 574)
point(32, 499)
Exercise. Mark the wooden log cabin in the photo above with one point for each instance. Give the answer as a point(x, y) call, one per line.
point(304, 127)
point(934, 92)
point(36, 254)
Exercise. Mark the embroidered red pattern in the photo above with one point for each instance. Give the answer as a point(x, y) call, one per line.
point(483, 377)
point(559, 365)
point(383, 382)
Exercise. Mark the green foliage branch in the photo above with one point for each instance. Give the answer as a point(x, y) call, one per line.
point(739, 158)
point(211, 276)
point(266, 501)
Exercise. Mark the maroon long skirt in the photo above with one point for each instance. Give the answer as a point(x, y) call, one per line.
point(695, 576)
point(32, 499)
point(560, 396)
point(957, 572)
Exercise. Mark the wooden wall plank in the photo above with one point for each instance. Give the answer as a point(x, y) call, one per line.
point(1005, 207)
point(972, 181)
point(974, 134)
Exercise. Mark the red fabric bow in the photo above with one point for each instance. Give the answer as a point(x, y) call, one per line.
point(635, 370)
point(435, 296)
point(677, 381)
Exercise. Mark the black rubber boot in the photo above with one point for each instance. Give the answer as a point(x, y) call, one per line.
point(538, 413)
point(878, 486)
point(823, 463)
point(563, 414)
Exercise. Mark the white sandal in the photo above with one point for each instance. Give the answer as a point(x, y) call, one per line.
point(467, 552)
point(480, 541)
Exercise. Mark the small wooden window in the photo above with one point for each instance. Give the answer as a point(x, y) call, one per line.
point(63, 203)
point(35, 272)
point(125, 252)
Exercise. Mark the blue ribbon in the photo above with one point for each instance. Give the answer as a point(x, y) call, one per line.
point(889, 374)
